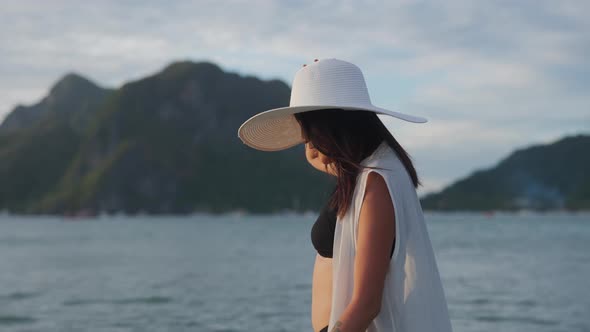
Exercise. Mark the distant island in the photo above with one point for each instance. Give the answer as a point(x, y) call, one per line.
point(164, 144)
point(542, 177)
point(167, 144)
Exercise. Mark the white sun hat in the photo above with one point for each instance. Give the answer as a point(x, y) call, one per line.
point(326, 83)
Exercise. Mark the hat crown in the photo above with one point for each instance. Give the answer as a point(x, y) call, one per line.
point(331, 82)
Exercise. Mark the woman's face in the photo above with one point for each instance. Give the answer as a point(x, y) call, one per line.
point(318, 160)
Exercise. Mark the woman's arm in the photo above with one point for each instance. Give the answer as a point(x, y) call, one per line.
point(376, 233)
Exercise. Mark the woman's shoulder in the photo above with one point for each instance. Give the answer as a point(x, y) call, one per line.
point(385, 162)
point(383, 158)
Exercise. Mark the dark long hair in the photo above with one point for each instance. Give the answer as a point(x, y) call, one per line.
point(347, 138)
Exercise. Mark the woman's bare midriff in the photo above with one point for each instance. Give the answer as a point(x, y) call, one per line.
point(321, 298)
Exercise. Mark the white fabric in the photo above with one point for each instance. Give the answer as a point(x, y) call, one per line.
point(413, 296)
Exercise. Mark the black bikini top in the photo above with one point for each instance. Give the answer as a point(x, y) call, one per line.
point(322, 232)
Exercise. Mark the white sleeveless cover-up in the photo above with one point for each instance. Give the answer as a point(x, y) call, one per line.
point(413, 297)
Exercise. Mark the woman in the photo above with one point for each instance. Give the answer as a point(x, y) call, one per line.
point(375, 269)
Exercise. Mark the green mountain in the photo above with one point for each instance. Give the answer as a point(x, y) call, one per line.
point(541, 177)
point(163, 144)
point(73, 99)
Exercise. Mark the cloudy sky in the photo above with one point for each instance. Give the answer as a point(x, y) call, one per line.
point(490, 76)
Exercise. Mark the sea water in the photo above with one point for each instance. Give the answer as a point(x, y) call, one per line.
point(501, 272)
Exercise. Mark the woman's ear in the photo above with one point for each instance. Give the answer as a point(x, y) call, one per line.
point(313, 151)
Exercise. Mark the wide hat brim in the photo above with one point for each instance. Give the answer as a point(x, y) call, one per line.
point(277, 129)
